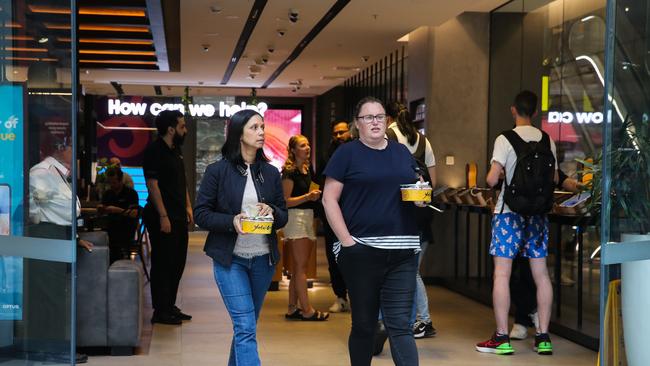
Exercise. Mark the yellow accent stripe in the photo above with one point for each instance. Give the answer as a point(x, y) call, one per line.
point(544, 93)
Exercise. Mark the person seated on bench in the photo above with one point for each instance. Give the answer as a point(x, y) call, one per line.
point(121, 204)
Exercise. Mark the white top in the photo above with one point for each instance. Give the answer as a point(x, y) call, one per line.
point(429, 158)
point(50, 194)
point(504, 154)
point(250, 245)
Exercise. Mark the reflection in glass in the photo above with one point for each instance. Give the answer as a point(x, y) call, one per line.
point(36, 197)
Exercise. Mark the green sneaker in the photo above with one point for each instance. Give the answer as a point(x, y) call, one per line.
point(499, 344)
point(543, 345)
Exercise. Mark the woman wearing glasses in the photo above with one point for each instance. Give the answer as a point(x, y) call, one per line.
point(378, 236)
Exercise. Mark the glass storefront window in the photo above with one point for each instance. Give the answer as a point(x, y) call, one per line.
point(626, 185)
point(38, 205)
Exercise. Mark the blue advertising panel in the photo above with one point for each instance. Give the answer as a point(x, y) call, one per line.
point(11, 197)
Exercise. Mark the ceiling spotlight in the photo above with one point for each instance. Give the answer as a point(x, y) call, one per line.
point(262, 60)
point(293, 15)
point(365, 58)
point(43, 40)
point(206, 47)
point(216, 9)
point(15, 72)
point(281, 32)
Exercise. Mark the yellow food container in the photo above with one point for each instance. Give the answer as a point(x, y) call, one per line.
point(256, 226)
point(413, 193)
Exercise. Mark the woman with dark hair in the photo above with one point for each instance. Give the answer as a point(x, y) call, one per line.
point(378, 236)
point(401, 129)
point(299, 232)
point(242, 185)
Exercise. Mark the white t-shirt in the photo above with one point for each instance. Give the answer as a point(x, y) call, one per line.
point(504, 154)
point(250, 245)
point(429, 158)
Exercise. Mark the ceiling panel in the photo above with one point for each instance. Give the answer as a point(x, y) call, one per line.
point(363, 28)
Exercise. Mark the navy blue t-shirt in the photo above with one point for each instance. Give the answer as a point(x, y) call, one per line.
point(371, 201)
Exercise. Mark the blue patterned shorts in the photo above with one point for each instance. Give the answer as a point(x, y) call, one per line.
point(513, 235)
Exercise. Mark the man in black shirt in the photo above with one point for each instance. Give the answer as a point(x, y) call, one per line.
point(167, 215)
point(121, 204)
point(340, 135)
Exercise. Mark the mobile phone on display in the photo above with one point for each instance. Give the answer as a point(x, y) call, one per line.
point(5, 209)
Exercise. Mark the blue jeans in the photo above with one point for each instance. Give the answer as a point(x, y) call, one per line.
point(243, 286)
point(421, 300)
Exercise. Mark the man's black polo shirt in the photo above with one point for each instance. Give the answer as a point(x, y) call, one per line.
point(165, 164)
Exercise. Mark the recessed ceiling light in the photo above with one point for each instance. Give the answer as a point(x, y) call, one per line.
point(43, 40)
point(216, 9)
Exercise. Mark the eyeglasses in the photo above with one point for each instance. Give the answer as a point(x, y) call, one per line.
point(368, 118)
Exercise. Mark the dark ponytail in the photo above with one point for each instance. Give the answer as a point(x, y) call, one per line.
point(400, 114)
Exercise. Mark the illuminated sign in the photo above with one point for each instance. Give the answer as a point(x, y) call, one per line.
point(118, 108)
point(579, 117)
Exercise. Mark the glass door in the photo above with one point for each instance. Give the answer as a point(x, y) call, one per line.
point(625, 168)
point(38, 205)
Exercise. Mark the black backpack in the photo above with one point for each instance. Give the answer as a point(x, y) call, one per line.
point(530, 191)
point(419, 154)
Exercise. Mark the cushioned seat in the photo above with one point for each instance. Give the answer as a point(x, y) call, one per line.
point(109, 298)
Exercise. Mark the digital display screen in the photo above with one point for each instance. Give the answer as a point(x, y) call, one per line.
point(279, 126)
point(5, 210)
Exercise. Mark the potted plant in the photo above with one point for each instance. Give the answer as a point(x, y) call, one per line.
point(629, 160)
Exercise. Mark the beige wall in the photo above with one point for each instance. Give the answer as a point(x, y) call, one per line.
point(455, 85)
point(458, 100)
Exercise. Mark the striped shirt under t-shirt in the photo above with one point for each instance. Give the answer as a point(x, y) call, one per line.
point(371, 199)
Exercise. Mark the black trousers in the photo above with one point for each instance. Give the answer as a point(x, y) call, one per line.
point(168, 256)
point(338, 283)
point(386, 278)
point(523, 291)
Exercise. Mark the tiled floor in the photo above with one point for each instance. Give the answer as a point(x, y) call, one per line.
point(206, 339)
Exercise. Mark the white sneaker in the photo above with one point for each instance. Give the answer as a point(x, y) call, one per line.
point(518, 332)
point(339, 306)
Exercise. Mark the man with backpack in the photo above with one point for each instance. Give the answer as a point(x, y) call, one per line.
point(525, 156)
